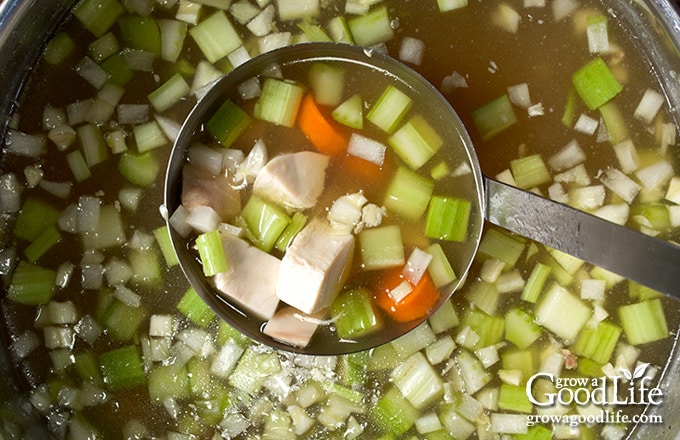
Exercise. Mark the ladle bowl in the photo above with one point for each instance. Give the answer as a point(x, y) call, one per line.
point(580, 234)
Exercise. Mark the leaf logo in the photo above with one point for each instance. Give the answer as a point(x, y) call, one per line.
point(637, 373)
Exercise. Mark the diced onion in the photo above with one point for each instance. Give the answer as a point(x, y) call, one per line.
point(23, 144)
point(411, 50)
point(649, 106)
point(416, 265)
point(133, 113)
point(203, 219)
point(401, 291)
point(366, 148)
point(10, 193)
point(569, 156)
point(519, 95)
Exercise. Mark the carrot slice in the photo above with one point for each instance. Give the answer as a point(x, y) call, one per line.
point(327, 136)
point(416, 304)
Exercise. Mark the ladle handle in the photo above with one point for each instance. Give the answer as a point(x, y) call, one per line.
point(647, 260)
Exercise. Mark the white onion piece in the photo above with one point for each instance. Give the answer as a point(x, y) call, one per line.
point(10, 193)
point(416, 265)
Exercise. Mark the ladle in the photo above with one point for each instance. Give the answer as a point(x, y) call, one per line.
point(626, 252)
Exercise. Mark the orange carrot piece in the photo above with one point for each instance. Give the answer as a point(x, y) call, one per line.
point(417, 304)
point(328, 137)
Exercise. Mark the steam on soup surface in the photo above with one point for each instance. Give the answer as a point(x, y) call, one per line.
point(111, 340)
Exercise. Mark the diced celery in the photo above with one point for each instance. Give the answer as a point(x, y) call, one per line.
point(339, 30)
point(381, 247)
point(372, 28)
point(146, 267)
point(537, 432)
point(78, 166)
point(655, 215)
point(530, 171)
point(408, 194)
point(42, 243)
point(520, 328)
point(173, 33)
point(216, 36)
point(109, 231)
point(265, 221)
point(253, 369)
point(98, 16)
point(489, 328)
point(642, 293)
point(118, 69)
point(314, 32)
point(103, 47)
point(497, 244)
point(597, 343)
point(149, 136)
point(440, 268)
point(389, 109)
point(534, 285)
point(195, 309)
point(36, 215)
point(417, 380)
point(440, 170)
point(327, 82)
point(570, 109)
point(31, 284)
point(643, 322)
point(122, 368)
point(484, 296)
point(162, 236)
point(168, 382)
point(297, 222)
point(353, 314)
point(568, 262)
point(524, 361)
point(212, 255)
point(93, 144)
point(494, 117)
point(87, 367)
point(393, 413)
point(58, 48)
point(514, 398)
point(415, 142)
point(169, 93)
point(350, 112)
point(561, 312)
point(447, 218)
point(279, 102)
point(139, 168)
point(122, 321)
point(473, 373)
point(444, 318)
point(596, 84)
point(141, 33)
point(227, 124)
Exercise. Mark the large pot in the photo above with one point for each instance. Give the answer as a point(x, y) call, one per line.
point(26, 24)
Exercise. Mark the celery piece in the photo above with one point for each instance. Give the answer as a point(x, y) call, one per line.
point(87, 367)
point(78, 166)
point(211, 251)
point(418, 381)
point(590, 368)
point(389, 109)
point(297, 222)
point(169, 93)
point(31, 284)
point(117, 68)
point(168, 382)
point(227, 124)
point(561, 312)
point(140, 169)
point(58, 48)
point(597, 343)
point(353, 314)
point(103, 47)
point(448, 218)
point(596, 84)
point(520, 328)
point(371, 28)
point(162, 236)
point(514, 398)
point(93, 144)
point(570, 109)
point(149, 136)
point(524, 361)
point(36, 215)
point(265, 221)
point(195, 309)
point(109, 231)
point(393, 413)
point(530, 171)
point(122, 368)
point(141, 33)
point(408, 194)
point(483, 295)
point(616, 124)
point(643, 322)
point(279, 102)
point(253, 369)
point(440, 170)
point(173, 33)
point(339, 30)
point(490, 329)
point(381, 247)
point(656, 215)
point(440, 268)
point(494, 117)
point(122, 321)
point(642, 293)
point(146, 267)
point(216, 36)
point(327, 82)
point(535, 282)
point(444, 318)
point(415, 142)
point(314, 32)
point(471, 370)
point(537, 432)
point(500, 245)
point(450, 5)
point(42, 243)
point(350, 112)
point(97, 16)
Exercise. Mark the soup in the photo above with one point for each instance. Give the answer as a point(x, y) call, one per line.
point(112, 342)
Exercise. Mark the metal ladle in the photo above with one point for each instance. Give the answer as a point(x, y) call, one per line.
point(633, 255)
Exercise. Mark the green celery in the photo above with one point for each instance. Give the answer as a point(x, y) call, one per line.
point(339, 30)
point(535, 282)
point(140, 169)
point(327, 82)
point(418, 381)
point(570, 109)
point(265, 221)
point(520, 328)
point(514, 398)
point(562, 312)
point(350, 112)
point(216, 36)
point(146, 267)
point(122, 368)
point(103, 47)
point(537, 432)
point(109, 231)
point(122, 321)
point(227, 124)
point(444, 318)
point(389, 109)
point(87, 367)
point(118, 69)
point(596, 84)
point(643, 322)
point(524, 361)
point(415, 142)
point(148, 136)
point(141, 33)
point(530, 171)
point(297, 222)
point(381, 247)
point(616, 124)
point(162, 236)
point(253, 369)
point(505, 247)
point(97, 16)
point(31, 284)
point(408, 194)
point(393, 413)
point(195, 309)
point(36, 215)
point(448, 218)
point(655, 213)
point(93, 144)
point(371, 28)
point(597, 343)
point(78, 166)
point(42, 243)
point(279, 102)
point(353, 314)
point(483, 295)
point(494, 117)
point(211, 252)
point(642, 293)
point(568, 262)
point(590, 368)
point(489, 328)
point(440, 170)
point(314, 32)
point(169, 93)
point(59, 48)
point(168, 381)
point(440, 267)
point(173, 34)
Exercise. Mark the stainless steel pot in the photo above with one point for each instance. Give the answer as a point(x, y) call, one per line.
point(25, 25)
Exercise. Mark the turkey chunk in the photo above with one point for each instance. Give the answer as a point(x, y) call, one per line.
point(291, 326)
point(294, 180)
point(250, 279)
point(315, 267)
point(200, 188)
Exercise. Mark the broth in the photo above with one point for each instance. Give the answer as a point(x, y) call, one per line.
point(182, 391)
